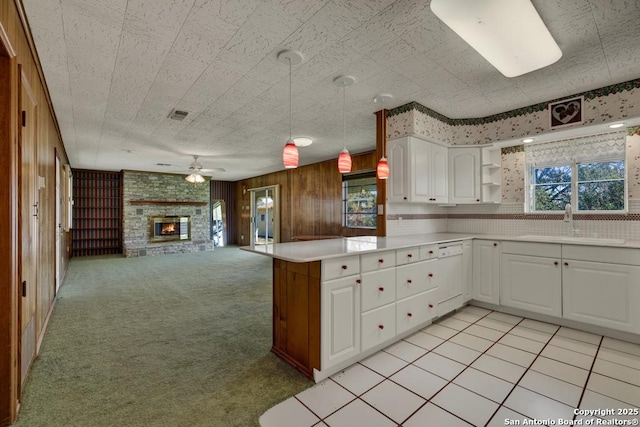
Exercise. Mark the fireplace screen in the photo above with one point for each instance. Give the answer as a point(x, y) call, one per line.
point(167, 228)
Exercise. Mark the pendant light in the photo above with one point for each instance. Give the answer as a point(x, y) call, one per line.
point(344, 159)
point(290, 153)
point(382, 170)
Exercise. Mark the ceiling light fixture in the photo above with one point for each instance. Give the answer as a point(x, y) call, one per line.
point(302, 141)
point(527, 140)
point(290, 152)
point(508, 33)
point(194, 178)
point(616, 125)
point(344, 159)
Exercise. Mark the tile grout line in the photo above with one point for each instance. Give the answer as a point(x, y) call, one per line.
point(584, 389)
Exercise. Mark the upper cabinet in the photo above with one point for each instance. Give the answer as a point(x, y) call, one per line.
point(418, 171)
point(464, 175)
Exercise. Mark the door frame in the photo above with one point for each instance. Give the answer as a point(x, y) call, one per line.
point(276, 213)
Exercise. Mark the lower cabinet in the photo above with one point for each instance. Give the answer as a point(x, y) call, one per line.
point(602, 294)
point(486, 271)
point(415, 310)
point(340, 327)
point(378, 326)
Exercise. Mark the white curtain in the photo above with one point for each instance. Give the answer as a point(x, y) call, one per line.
point(592, 147)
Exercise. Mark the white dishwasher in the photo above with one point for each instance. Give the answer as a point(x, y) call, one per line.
point(450, 289)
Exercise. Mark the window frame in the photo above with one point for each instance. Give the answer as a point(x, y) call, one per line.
point(344, 213)
point(530, 186)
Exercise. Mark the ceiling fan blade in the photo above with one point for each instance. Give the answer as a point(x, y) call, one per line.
point(212, 170)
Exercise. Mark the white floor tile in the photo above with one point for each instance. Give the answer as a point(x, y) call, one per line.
point(531, 334)
point(619, 357)
point(472, 341)
point(504, 317)
point(511, 354)
point(439, 365)
point(325, 397)
point(594, 401)
point(384, 363)
point(392, 400)
point(534, 405)
point(551, 387)
point(453, 323)
point(562, 371)
point(618, 390)
point(539, 326)
point(320, 424)
point(579, 335)
point(467, 317)
point(406, 351)
point(440, 331)
point(574, 345)
point(567, 356)
point(522, 343)
point(290, 413)
point(457, 352)
point(359, 413)
point(484, 384)
point(624, 346)
point(432, 415)
point(485, 332)
point(616, 371)
point(494, 324)
point(504, 414)
point(419, 381)
point(425, 341)
point(472, 309)
point(499, 368)
point(357, 379)
point(465, 404)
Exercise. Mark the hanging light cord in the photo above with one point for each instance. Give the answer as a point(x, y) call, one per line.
point(290, 102)
point(344, 116)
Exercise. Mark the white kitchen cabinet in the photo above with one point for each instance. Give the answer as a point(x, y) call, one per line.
point(416, 310)
point(602, 294)
point(486, 271)
point(340, 327)
point(464, 175)
point(418, 171)
point(467, 272)
point(378, 326)
point(378, 288)
point(417, 277)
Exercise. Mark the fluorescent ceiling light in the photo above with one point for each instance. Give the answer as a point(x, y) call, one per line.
point(527, 140)
point(508, 33)
point(616, 125)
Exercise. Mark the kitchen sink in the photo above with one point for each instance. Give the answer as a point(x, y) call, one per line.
point(568, 239)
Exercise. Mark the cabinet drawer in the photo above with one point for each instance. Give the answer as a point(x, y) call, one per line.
point(378, 326)
point(416, 310)
point(549, 250)
point(407, 255)
point(377, 261)
point(428, 252)
point(415, 278)
point(628, 256)
point(378, 288)
point(340, 267)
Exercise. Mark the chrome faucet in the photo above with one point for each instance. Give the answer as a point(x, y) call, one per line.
point(568, 218)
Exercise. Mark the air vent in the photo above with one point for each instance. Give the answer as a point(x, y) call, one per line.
point(178, 114)
point(163, 164)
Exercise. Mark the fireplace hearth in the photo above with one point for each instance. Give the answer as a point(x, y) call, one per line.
point(169, 228)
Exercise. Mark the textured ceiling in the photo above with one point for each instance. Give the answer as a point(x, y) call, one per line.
point(115, 70)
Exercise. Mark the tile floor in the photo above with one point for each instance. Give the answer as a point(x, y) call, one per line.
point(477, 367)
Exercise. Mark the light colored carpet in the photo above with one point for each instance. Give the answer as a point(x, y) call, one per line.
point(176, 340)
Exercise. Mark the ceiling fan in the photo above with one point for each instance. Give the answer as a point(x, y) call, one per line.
point(196, 170)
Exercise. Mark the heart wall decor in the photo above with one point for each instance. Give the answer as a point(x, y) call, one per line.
point(567, 112)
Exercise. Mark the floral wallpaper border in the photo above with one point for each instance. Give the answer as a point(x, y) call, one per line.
point(512, 150)
point(633, 131)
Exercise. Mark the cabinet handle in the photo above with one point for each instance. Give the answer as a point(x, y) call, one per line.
point(495, 244)
point(381, 289)
point(358, 281)
point(409, 314)
point(477, 200)
point(430, 274)
point(566, 264)
point(409, 255)
point(405, 198)
point(430, 305)
point(380, 260)
point(344, 267)
point(555, 263)
point(381, 326)
point(409, 281)
point(430, 252)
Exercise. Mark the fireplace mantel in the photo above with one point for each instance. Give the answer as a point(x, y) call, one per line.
point(167, 202)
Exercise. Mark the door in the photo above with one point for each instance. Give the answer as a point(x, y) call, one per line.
point(218, 223)
point(340, 329)
point(486, 271)
point(27, 184)
point(265, 216)
point(59, 201)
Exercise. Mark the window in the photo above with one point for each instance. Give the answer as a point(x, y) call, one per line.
point(359, 200)
point(587, 172)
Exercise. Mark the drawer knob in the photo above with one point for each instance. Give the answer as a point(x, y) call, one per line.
point(409, 281)
point(430, 305)
point(358, 281)
point(430, 252)
point(344, 267)
point(381, 289)
point(381, 326)
point(409, 314)
point(409, 255)
point(555, 263)
point(430, 274)
point(380, 260)
point(495, 244)
point(566, 264)
point(405, 197)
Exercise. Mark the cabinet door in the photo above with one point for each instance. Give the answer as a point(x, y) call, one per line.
point(378, 326)
point(531, 283)
point(378, 288)
point(340, 329)
point(601, 294)
point(420, 152)
point(439, 179)
point(418, 277)
point(466, 270)
point(464, 175)
point(398, 182)
point(486, 271)
point(416, 310)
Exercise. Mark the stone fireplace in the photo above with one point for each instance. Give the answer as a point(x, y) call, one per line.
point(167, 228)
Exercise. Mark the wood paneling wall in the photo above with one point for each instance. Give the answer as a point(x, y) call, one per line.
point(17, 51)
point(310, 200)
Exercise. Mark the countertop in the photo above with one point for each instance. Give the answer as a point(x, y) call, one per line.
point(315, 250)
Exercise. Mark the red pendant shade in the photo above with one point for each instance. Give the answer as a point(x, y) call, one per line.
point(290, 155)
point(382, 170)
point(344, 161)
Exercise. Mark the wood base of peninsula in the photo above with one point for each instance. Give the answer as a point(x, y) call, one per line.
point(296, 314)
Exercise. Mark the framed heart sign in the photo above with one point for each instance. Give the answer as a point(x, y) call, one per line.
point(565, 113)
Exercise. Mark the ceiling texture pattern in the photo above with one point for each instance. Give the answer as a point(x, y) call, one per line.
point(116, 69)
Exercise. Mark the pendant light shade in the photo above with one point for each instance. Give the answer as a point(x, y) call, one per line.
point(290, 155)
point(344, 161)
point(382, 170)
point(290, 152)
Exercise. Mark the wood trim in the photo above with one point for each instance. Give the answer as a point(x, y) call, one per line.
point(381, 151)
point(165, 202)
